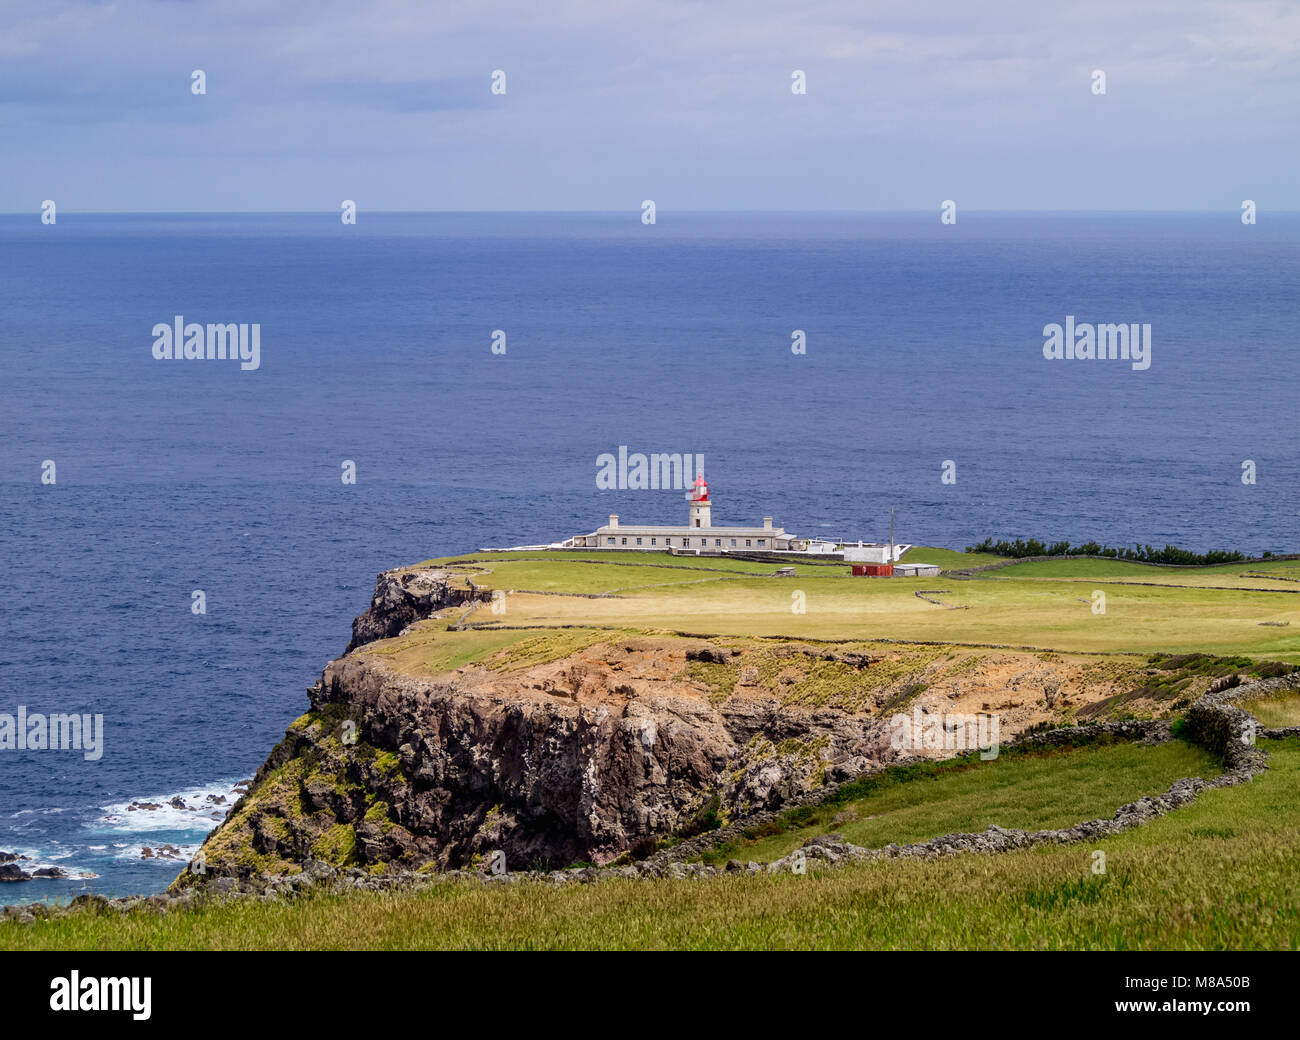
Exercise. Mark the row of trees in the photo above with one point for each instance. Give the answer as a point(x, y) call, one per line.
point(1138, 554)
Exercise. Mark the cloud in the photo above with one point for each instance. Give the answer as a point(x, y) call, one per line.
point(602, 95)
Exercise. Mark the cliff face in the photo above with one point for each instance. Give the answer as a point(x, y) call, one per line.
point(576, 758)
point(403, 597)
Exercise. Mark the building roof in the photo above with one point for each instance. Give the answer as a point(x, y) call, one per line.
point(720, 532)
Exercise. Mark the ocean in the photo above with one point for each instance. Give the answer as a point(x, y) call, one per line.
point(924, 345)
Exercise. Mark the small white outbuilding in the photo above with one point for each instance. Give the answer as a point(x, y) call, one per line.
point(916, 570)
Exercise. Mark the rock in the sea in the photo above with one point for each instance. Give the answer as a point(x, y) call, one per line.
point(161, 852)
point(11, 872)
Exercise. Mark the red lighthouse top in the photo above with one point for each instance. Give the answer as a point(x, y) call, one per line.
point(701, 489)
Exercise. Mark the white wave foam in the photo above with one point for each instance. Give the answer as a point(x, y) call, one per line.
point(42, 859)
point(197, 813)
point(122, 833)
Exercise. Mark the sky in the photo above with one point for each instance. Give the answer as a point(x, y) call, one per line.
point(687, 102)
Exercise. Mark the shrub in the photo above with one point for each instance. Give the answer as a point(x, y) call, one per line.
point(708, 818)
point(1020, 548)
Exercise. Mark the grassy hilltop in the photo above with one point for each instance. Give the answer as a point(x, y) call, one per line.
point(1218, 873)
point(987, 640)
point(1251, 609)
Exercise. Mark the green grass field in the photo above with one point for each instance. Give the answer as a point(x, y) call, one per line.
point(1025, 791)
point(1047, 606)
point(1277, 574)
point(948, 559)
point(1218, 874)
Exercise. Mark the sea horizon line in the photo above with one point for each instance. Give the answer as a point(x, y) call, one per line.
point(1232, 210)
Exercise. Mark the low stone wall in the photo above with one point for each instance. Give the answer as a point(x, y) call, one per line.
point(1214, 722)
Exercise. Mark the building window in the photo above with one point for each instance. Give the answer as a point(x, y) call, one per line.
point(625, 541)
point(609, 541)
point(733, 541)
point(653, 541)
point(762, 542)
point(697, 523)
point(748, 543)
point(717, 541)
point(638, 541)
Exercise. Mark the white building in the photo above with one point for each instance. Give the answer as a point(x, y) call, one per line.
point(872, 552)
point(698, 534)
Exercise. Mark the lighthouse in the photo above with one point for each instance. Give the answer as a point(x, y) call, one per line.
point(700, 506)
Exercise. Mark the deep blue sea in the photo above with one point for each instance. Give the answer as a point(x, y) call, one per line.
point(924, 344)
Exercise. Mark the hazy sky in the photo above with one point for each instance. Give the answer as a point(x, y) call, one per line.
point(688, 103)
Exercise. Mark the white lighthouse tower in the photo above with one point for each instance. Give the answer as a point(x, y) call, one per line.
point(700, 506)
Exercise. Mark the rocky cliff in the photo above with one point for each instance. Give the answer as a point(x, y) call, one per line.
point(553, 759)
point(408, 595)
point(569, 724)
